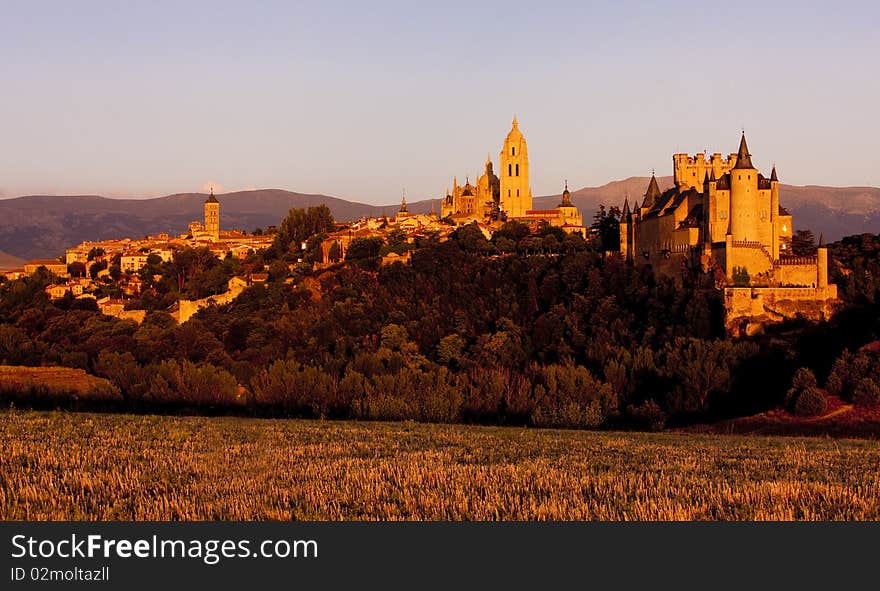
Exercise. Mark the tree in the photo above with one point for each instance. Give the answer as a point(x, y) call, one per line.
point(76, 269)
point(95, 253)
point(803, 243)
point(299, 226)
point(364, 248)
point(471, 239)
point(606, 226)
point(335, 252)
point(741, 277)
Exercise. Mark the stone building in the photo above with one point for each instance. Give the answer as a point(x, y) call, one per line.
point(723, 214)
point(495, 199)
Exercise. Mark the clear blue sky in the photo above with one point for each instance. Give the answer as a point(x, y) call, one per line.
point(360, 99)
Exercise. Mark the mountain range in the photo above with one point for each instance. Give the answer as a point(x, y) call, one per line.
point(44, 226)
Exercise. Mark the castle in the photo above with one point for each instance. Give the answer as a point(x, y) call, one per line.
point(497, 199)
point(723, 214)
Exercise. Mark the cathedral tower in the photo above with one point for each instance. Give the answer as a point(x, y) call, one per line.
point(516, 196)
point(212, 217)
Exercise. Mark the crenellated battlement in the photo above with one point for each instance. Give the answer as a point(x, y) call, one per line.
point(691, 171)
point(792, 261)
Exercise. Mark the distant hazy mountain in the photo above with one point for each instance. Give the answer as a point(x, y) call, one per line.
point(42, 226)
point(8, 262)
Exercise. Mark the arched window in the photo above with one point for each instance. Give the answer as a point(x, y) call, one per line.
point(513, 150)
point(517, 192)
point(508, 192)
point(517, 170)
point(509, 170)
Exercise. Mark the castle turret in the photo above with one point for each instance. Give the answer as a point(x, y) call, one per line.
point(212, 217)
point(822, 264)
point(774, 213)
point(516, 196)
point(744, 196)
point(626, 246)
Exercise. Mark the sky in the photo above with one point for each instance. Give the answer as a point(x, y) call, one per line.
point(363, 100)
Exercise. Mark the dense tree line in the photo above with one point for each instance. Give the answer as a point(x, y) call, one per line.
point(541, 329)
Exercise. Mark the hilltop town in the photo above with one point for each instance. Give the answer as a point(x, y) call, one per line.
point(92, 268)
point(721, 216)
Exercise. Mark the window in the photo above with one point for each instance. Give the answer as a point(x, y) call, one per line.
point(722, 214)
point(517, 192)
point(509, 170)
point(517, 170)
point(508, 192)
point(513, 150)
point(763, 215)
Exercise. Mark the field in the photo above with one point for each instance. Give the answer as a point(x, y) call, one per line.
point(79, 466)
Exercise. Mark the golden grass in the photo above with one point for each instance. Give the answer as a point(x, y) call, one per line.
point(89, 466)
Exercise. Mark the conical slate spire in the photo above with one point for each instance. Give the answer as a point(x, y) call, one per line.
point(625, 212)
point(821, 240)
point(773, 176)
point(743, 158)
point(652, 193)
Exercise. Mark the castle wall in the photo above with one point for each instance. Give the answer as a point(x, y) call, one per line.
point(748, 309)
point(753, 257)
point(802, 271)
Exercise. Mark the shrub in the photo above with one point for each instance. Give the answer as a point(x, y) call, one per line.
point(298, 389)
point(187, 383)
point(866, 393)
point(848, 372)
point(569, 396)
point(647, 415)
point(802, 380)
point(810, 402)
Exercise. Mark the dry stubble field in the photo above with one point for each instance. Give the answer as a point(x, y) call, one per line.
point(56, 465)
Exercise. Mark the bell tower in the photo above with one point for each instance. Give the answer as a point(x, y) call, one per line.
point(516, 196)
point(212, 217)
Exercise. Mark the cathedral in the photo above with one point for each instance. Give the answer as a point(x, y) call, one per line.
point(725, 215)
point(495, 199)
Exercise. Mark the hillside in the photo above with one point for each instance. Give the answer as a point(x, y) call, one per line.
point(44, 226)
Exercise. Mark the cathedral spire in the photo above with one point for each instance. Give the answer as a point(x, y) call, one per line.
point(625, 212)
point(515, 123)
point(403, 202)
point(743, 158)
point(773, 176)
point(821, 240)
point(566, 196)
